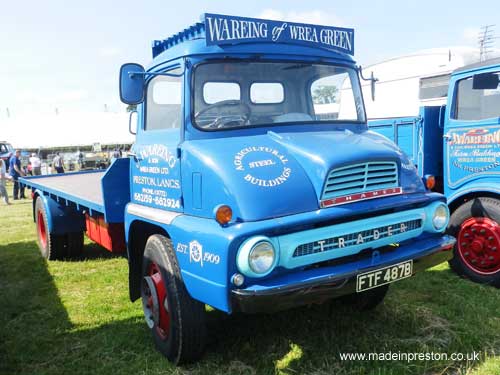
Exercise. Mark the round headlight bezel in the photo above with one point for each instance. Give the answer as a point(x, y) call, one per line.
point(244, 259)
point(440, 213)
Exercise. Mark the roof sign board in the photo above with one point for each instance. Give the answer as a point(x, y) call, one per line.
point(222, 29)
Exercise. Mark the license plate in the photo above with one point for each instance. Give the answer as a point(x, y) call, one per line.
point(382, 276)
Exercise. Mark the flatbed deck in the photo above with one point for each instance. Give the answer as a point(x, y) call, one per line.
point(83, 188)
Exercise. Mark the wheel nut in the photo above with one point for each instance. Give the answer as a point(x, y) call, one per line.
point(473, 230)
point(464, 244)
point(491, 257)
point(473, 261)
point(490, 238)
point(466, 235)
point(466, 253)
point(494, 248)
point(482, 231)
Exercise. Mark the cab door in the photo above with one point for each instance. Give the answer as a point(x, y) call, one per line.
point(472, 130)
point(155, 168)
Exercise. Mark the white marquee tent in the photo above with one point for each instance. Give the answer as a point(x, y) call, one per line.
point(67, 129)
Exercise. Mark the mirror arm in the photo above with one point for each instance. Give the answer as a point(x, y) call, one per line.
point(151, 74)
point(372, 80)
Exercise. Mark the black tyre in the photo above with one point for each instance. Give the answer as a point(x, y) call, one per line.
point(74, 243)
point(476, 225)
point(367, 300)
point(177, 321)
point(51, 246)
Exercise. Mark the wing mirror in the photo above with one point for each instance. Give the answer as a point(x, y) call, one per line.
point(132, 83)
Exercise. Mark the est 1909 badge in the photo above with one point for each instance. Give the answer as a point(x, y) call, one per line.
point(197, 254)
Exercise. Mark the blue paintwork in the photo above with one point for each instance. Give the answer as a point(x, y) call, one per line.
point(419, 137)
point(462, 174)
point(131, 83)
point(308, 159)
point(61, 218)
point(116, 190)
point(210, 282)
point(411, 249)
point(289, 242)
point(187, 172)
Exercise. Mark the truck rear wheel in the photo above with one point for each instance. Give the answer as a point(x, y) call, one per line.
point(366, 300)
point(476, 225)
point(51, 246)
point(74, 244)
point(176, 320)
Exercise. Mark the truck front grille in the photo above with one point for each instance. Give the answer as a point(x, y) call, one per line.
point(359, 178)
point(357, 238)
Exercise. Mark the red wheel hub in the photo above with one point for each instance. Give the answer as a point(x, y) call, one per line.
point(155, 302)
point(42, 233)
point(479, 245)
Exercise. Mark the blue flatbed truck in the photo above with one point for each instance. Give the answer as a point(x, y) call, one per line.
point(246, 189)
point(458, 146)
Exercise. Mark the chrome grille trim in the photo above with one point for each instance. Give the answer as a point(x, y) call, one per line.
point(359, 178)
point(352, 239)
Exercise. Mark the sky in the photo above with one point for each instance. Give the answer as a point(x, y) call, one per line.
point(64, 56)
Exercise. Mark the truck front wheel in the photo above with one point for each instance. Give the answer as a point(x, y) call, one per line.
point(51, 246)
point(177, 321)
point(476, 225)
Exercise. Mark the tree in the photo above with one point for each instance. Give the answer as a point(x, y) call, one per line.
point(325, 94)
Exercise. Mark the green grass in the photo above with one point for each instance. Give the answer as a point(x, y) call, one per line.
point(75, 318)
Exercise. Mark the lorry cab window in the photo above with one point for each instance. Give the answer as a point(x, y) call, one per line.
point(267, 93)
point(476, 104)
point(434, 87)
point(164, 104)
point(214, 92)
point(238, 94)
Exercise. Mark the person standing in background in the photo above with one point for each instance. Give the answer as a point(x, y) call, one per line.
point(3, 178)
point(36, 165)
point(58, 163)
point(16, 172)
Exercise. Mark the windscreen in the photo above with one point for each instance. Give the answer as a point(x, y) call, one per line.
point(477, 103)
point(244, 94)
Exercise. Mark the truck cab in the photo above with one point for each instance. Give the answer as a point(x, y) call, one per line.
point(254, 183)
point(453, 140)
point(471, 173)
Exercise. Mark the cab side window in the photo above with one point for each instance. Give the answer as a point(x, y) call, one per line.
point(164, 102)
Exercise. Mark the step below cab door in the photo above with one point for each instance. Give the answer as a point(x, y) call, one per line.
point(472, 129)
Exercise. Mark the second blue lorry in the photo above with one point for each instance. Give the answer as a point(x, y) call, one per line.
point(457, 145)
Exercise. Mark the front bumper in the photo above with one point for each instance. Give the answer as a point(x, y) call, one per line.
point(320, 284)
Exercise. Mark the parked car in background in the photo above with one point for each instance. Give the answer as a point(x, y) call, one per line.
point(6, 151)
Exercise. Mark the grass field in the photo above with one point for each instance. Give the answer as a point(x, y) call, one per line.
point(74, 317)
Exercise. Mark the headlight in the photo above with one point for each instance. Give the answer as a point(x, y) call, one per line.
point(257, 257)
point(440, 217)
point(261, 257)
